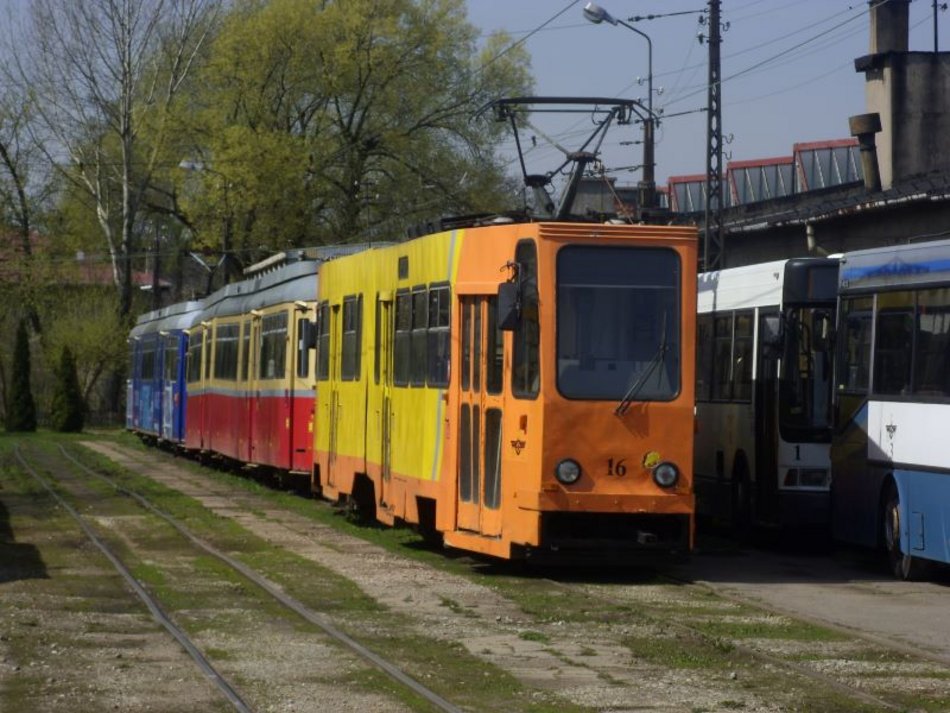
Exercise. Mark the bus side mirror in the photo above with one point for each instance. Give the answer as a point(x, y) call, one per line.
point(772, 335)
point(509, 306)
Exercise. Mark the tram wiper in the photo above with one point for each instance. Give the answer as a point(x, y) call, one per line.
point(654, 362)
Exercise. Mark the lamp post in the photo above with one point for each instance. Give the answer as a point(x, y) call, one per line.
point(596, 14)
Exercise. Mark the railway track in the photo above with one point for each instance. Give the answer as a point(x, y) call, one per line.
point(751, 664)
point(226, 687)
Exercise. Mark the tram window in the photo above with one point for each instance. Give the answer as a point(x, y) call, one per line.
point(376, 339)
point(194, 358)
point(352, 326)
point(437, 336)
point(525, 373)
point(466, 345)
point(323, 342)
point(303, 353)
point(245, 349)
point(722, 358)
point(171, 357)
point(492, 493)
point(894, 333)
point(494, 350)
point(225, 351)
point(742, 357)
point(401, 342)
point(148, 361)
point(417, 341)
point(273, 346)
point(854, 339)
point(704, 356)
point(932, 343)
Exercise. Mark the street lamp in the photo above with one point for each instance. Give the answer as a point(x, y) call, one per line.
point(596, 14)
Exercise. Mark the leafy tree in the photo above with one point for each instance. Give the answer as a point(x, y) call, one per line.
point(68, 410)
point(98, 348)
point(102, 74)
point(343, 121)
point(21, 411)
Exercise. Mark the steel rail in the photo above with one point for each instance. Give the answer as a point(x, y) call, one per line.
point(320, 620)
point(153, 606)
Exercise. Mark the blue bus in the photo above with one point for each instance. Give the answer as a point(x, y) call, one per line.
point(890, 449)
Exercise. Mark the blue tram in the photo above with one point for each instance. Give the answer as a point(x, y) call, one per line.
point(155, 390)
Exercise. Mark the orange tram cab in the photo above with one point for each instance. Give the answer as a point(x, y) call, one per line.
point(522, 389)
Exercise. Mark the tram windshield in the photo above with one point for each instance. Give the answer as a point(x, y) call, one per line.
point(806, 378)
point(618, 323)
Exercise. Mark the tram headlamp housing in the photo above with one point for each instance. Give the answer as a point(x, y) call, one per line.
point(666, 474)
point(568, 471)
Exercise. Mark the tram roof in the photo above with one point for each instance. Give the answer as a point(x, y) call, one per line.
point(173, 317)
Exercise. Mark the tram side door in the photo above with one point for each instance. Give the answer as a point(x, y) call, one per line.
point(384, 375)
point(252, 392)
point(766, 403)
point(333, 403)
point(480, 416)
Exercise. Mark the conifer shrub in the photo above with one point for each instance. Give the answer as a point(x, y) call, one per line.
point(21, 410)
point(68, 411)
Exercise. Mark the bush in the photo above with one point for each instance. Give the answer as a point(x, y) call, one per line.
point(68, 411)
point(21, 410)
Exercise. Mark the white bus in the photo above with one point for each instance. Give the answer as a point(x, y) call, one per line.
point(763, 393)
point(891, 447)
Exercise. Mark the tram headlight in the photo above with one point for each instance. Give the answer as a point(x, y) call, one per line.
point(568, 471)
point(666, 474)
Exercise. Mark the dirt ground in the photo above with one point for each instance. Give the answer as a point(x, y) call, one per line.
point(585, 664)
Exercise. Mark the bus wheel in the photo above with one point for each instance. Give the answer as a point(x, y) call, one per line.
point(904, 566)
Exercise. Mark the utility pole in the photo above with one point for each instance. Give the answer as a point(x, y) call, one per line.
point(713, 235)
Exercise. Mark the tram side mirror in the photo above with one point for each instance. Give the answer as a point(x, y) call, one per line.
point(822, 330)
point(509, 306)
point(772, 335)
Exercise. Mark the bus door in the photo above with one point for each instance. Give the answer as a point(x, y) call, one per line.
point(480, 416)
point(384, 377)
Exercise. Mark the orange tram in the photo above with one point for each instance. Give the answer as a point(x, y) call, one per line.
point(523, 390)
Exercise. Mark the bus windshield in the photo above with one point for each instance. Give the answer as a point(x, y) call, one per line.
point(618, 323)
point(805, 380)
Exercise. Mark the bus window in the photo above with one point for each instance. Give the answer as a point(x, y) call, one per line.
point(854, 337)
point(742, 357)
point(722, 358)
point(932, 343)
point(893, 343)
point(704, 356)
point(806, 364)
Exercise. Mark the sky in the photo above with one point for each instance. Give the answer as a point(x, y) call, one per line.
point(787, 67)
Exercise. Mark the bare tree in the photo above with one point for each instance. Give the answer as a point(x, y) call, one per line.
point(104, 74)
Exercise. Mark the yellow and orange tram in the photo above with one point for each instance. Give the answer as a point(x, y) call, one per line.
point(522, 389)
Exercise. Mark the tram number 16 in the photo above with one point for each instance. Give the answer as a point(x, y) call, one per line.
point(616, 467)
